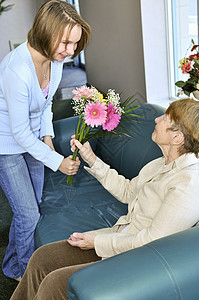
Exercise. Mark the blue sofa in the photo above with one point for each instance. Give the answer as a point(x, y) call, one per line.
point(164, 269)
point(87, 205)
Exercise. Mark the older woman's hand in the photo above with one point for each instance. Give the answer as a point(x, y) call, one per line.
point(85, 151)
point(84, 241)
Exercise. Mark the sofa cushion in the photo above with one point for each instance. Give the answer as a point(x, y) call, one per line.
point(127, 155)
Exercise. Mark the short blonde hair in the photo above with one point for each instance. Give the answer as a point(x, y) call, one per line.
point(49, 25)
point(185, 116)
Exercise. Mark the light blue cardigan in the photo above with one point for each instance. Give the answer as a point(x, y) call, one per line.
point(25, 114)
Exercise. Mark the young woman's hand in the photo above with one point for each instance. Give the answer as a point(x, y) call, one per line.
point(85, 151)
point(69, 166)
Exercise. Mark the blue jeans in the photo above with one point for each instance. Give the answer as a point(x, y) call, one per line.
point(21, 178)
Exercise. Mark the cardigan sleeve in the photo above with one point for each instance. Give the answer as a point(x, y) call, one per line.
point(46, 121)
point(17, 98)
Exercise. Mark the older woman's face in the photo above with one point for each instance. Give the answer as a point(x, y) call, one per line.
point(161, 135)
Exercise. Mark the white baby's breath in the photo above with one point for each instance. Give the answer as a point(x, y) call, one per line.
point(78, 106)
point(114, 98)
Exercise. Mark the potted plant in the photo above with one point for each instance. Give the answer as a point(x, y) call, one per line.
point(4, 8)
point(190, 66)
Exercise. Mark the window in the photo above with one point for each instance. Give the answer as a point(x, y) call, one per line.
point(79, 61)
point(182, 28)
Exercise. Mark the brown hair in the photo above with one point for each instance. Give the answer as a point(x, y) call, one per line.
point(49, 25)
point(185, 116)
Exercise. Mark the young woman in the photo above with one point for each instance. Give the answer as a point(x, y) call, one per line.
point(153, 212)
point(29, 77)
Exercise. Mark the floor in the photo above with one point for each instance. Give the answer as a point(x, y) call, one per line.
point(72, 77)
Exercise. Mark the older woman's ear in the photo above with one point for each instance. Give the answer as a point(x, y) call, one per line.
point(178, 138)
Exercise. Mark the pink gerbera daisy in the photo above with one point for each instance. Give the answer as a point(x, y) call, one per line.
point(95, 114)
point(112, 119)
point(82, 93)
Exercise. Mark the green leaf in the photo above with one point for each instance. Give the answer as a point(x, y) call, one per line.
point(121, 133)
point(187, 93)
point(125, 128)
point(131, 107)
point(180, 83)
point(130, 120)
point(5, 8)
point(132, 115)
point(127, 101)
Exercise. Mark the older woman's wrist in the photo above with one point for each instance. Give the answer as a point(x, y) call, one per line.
point(92, 160)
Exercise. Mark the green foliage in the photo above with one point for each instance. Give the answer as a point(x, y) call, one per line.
point(5, 8)
point(190, 66)
point(180, 83)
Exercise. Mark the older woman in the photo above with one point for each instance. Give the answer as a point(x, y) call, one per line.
point(163, 199)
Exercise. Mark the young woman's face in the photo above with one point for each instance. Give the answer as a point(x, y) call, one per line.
point(68, 47)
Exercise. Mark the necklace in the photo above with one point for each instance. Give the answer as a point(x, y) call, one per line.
point(41, 71)
point(44, 74)
point(34, 54)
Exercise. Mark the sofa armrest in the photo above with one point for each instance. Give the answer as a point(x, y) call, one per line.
point(164, 269)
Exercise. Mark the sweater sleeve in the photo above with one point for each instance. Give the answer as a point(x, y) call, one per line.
point(17, 98)
point(46, 121)
point(121, 188)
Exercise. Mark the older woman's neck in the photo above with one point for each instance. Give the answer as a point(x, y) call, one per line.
point(170, 154)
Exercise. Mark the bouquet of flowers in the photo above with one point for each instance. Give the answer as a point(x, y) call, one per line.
point(99, 116)
point(189, 65)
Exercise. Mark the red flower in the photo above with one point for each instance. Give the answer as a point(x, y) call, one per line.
point(186, 67)
point(194, 47)
point(194, 56)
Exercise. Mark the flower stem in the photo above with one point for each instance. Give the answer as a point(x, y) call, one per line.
point(70, 177)
point(79, 137)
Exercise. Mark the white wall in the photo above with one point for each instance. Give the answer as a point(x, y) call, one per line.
point(128, 49)
point(15, 23)
point(114, 56)
point(155, 51)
